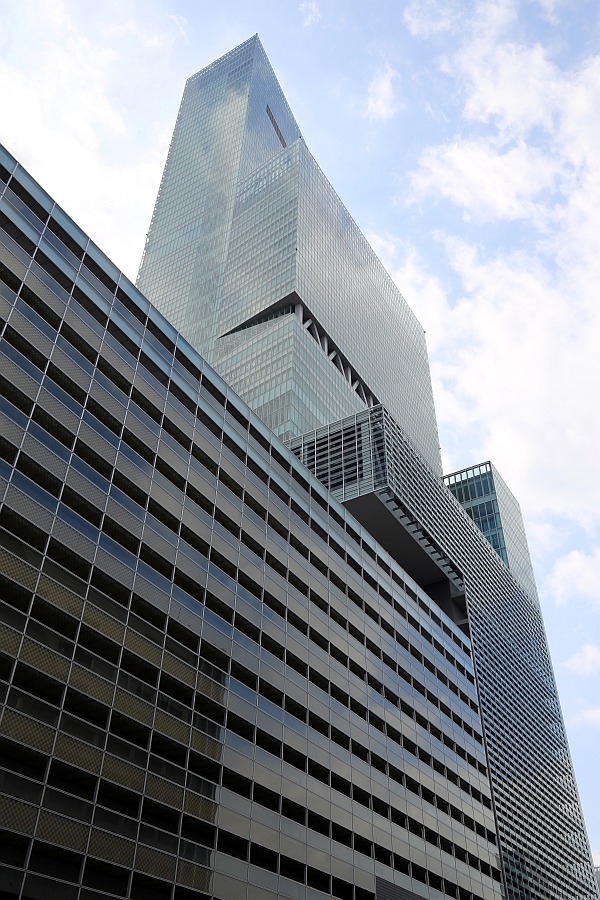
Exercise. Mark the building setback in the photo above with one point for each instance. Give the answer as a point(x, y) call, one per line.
point(214, 682)
point(484, 494)
point(252, 254)
point(254, 258)
point(389, 489)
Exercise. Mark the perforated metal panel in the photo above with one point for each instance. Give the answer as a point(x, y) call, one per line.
point(18, 570)
point(15, 375)
point(81, 754)
point(194, 876)
point(27, 731)
point(122, 772)
point(17, 815)
point(155, 862)
point(111, 847)
point(62, 831)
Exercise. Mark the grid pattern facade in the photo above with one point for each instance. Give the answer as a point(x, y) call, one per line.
point(220, 134)
point(276, 228)
point(485, 496)
point(213, 682)
point(530, 766)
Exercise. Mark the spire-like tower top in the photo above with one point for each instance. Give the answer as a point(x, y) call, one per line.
point(252, 255)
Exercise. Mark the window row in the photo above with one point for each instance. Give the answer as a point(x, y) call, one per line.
point(206, 383)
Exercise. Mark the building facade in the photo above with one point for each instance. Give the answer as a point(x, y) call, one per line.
point(484, 494)
point(253, 257)
point(302, 320)
point(390, 490)
point(231, 668)
point(214, 682)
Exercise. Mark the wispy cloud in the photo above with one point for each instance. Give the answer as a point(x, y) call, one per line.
point(514, 87)
point(180, 23)
point(64, 95)
point(312, 13)
point(382, 101)
point(522, 154)
point(134, 28)
point(586, 661)
point(424, 18)
point(576, 574)
point(589, 716)
point(486, 183)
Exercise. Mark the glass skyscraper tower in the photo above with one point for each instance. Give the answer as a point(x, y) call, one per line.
point(254, 258)
point(484, 494)
point(252, 255)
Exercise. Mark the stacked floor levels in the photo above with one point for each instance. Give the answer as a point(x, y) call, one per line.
point(253, 255)
point(213, 681)
point(369, 465)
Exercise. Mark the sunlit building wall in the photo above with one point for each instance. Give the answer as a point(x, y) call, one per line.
point(253, 256)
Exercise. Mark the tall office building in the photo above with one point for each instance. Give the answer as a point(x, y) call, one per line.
point(390, 490)
point(484, 494)
point(254, 257)
point(215, 684)
point(231, 669)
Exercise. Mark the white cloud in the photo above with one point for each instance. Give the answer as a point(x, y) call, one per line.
point(424, 18)
point(590, 716)
point(508, 359)
point(545, 536)
point(313, 14)
point(576, 574)
point(596, 857)
point(586, 661)
point(514, 86)
point(550, 10)
point(521, 355)
point(486, 183)
point(64, 83)
point(382, 102)
point(519, 324)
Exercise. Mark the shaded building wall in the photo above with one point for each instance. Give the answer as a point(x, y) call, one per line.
point(213, 682)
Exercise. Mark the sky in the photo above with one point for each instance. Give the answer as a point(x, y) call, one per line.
point(464, 138)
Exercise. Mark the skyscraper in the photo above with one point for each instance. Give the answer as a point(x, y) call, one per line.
point(259, 263)
point(231, 669)
point(214, 682)
point(390, 490)
point(252, 255)
point(483, 493)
